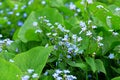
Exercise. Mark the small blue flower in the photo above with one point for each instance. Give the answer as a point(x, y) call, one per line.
point(25, 15)
point(111, 56)
point(20, 23)
point(23, 7)
point(17, 14)
point(8, 22)
point(30, 2)
point(43, 2)
point(0, 3)
point(5, 17)
point(9, 13)
point(15, 6)
point(1, 11)
point(26, 77)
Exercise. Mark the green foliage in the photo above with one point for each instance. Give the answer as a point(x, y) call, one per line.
point(33, 59)
point(91, 63)
point(100, 66)
point(27, 32)
point(50, 39)
point(116, 78)
point(9, 71)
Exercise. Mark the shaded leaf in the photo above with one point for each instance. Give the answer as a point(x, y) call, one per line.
point(100, 66)
point(91, 62)
point(81, 65)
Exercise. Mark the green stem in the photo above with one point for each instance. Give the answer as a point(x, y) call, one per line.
point(96, 76)
point(86, 75)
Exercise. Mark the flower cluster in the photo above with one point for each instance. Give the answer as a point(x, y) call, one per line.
point(73, 7)
point(63, 75)
point(5, 42)
point(30, 75)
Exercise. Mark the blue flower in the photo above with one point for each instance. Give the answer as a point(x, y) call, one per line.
point(111, 56)
point(23, 7)
point(25, 15)
point(0, 3)
point(1, 11)
point(17, 14)
point(20, 23)
point(8, 22)
point(9, 13)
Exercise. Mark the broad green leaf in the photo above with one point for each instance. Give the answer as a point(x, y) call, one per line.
point(88, 44)
point(8, 71)
point(6, 55)
point(80, 4)
point(85, 42)
point(66, 11)
point(15, 35)
point(108, 20)
point(98, 12)
point(109, 41)
point(17, 47)
point(75, 25)
point(56, 3)
point(62, 65)
point(100, 66)
point(91, 62)
point(67, 25)
point(52, 59)
point(51, 14)
point(117, 2)
point(93, 46)
point(27, 31)
point(10, 3)
point(81, 65)
point(34, 58)
point(116, 78)
point(113, 8)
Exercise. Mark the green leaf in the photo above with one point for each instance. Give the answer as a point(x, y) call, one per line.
point(3, 21)
point(79, 5)
point(34, 58)
point(51, 14)
point(27, 31)
point(56, 3)
point(108, 20)
point(74, 22)
point(66, 11)
point(17, 47)
point(116, 78)
point(46, 78)
point(8, 71)
point(100, 66)
point(117, 70)
point(7, 55)
point(81, 65)
point(91, 62)
point(109, 41)
point(112, 9)
point(15, 36)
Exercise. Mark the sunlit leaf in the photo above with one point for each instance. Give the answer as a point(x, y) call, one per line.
point(8, 71)
point(35, 58)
